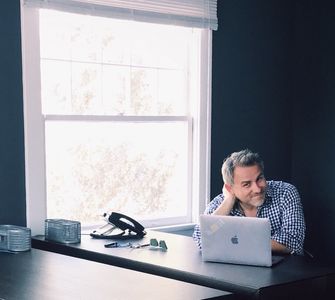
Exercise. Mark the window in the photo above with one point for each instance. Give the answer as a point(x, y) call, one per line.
point(116, 118)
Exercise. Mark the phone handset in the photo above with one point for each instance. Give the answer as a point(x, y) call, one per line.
point(119, 226)
point(126, 223)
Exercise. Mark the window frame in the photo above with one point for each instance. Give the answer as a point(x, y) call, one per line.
point(35, 164)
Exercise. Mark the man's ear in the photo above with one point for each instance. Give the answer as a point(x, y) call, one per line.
point(228, 187)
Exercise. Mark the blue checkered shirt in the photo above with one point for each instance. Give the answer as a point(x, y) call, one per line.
point(282, 206)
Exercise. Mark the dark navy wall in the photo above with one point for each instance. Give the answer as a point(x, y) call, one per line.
point(313, 154)
point(12, 183)
point(251, 100)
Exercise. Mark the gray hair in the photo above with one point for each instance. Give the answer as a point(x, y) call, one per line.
point(243, 158)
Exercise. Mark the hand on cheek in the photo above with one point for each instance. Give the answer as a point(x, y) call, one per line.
point(228, 193)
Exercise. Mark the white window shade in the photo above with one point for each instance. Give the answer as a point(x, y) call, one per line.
point(191, 13)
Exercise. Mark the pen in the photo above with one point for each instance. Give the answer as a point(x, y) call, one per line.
point(111, 245)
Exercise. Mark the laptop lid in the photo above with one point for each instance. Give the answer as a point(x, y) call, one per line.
point(237, 240)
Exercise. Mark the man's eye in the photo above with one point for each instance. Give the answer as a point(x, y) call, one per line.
point(246, 185)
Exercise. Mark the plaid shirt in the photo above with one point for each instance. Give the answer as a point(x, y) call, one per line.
point(282, 206)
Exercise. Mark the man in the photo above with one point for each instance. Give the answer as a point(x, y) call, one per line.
point(247, 193)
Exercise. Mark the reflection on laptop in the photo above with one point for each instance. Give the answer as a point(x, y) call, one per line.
point(237, 240)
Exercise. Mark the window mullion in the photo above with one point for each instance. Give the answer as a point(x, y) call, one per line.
point(104, 118)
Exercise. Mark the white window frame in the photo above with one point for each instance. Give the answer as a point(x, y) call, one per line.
point(36, 209)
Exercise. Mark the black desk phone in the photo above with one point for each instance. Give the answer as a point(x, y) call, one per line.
point(119, 226)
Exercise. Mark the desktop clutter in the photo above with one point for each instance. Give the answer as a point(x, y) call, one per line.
point(14, 239)
point(18, 238)
point(62, 231)
point(121, 227)
point(118, 227)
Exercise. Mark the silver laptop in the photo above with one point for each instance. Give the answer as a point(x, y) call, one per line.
point(237, 240)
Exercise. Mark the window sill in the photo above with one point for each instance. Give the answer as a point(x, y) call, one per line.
point(182, 229)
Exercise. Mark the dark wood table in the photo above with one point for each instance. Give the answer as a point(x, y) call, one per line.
point(296, 276)
point(37, 275)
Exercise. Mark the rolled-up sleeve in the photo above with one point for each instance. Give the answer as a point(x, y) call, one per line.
point(292, 229)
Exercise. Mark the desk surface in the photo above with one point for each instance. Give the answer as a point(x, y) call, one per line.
point(183, 261)
point(44, 275)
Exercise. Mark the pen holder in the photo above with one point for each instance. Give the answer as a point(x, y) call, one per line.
point(62, 231)
point(15, 238)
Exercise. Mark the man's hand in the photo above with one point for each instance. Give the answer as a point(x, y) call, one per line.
point(279, 248)
point(228, 203)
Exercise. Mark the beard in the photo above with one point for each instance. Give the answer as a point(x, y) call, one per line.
point(258, 200)
point(254, 200)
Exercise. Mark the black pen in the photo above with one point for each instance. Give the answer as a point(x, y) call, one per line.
point(111, 245)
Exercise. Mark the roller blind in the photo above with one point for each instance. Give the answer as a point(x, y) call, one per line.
point(190, 13)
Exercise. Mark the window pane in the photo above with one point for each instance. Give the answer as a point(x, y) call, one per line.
point(134, 167)
point(113, 67)
point(85, 92)
point(56, 86)
point(115, 90)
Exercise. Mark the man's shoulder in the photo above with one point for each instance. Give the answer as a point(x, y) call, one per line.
point(278, 184)
point(283, 194)
point(277, 188)
point(217, 199)
point(280, 187)
point(213, 204)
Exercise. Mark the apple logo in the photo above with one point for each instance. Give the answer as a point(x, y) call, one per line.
point(234, 239)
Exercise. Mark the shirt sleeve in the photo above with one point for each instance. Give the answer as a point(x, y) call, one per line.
point(292, 231)
point(211, 207)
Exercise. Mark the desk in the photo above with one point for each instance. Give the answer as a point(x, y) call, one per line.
point(37, 274)
point(294, 277)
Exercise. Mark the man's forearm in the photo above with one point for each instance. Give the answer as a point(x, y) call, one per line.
point(224, 208)
point(228, 203)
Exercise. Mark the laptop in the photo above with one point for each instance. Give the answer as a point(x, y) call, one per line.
point(237, 240)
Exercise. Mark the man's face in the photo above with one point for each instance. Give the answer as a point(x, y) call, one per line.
point(249, 185)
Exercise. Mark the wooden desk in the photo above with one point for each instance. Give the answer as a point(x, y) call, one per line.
point(37, 274)
point(294, 277)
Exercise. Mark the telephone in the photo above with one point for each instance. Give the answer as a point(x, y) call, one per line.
point(119, 226)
